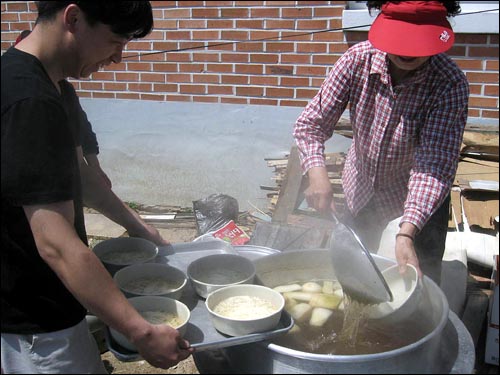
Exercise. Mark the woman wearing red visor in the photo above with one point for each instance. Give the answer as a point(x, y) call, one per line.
point(408, 109)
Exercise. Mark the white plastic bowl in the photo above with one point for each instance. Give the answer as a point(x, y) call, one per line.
point(240, 327)
point(139, 249)
point(173, 276)
point(216, 271)
point(404, 291)
point(155, 303)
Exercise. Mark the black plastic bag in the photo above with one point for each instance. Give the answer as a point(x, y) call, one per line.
point(215, 211)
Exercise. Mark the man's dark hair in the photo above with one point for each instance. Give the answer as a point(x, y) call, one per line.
point(129, 19)
point(452, 7)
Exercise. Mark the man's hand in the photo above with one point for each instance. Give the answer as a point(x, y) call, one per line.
point(150, 233)
point(319, 194)
point(163, 346)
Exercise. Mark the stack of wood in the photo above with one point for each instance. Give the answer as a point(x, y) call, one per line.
point(334, 163)
point(471, 199)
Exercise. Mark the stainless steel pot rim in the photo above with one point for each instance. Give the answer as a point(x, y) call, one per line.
point(366, 357)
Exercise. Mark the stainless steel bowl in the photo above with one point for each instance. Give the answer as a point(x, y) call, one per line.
point(169, 281)
point(126, 251)
point(155, 303)
point(213, 272)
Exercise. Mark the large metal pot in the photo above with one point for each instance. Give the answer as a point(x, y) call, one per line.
point(421, 356)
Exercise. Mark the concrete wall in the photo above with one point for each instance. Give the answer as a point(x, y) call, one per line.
point(165, 153)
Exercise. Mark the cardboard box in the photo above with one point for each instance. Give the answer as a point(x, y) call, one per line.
point(491, 354)
point(480, 207)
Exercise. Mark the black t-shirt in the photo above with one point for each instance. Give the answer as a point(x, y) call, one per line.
point(78, 118)
point(39, 166)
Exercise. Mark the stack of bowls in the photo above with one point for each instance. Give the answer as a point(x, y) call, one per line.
point(116, 253)
point(149, 305)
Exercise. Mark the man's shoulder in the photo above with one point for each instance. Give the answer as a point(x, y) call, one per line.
point(24, 80)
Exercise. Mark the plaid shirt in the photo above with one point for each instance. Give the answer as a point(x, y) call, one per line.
point(406, 139)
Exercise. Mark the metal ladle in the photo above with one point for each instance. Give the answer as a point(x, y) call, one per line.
point(355, 268)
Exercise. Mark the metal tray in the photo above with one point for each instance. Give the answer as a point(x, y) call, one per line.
point(200, 332)
point(209, 339)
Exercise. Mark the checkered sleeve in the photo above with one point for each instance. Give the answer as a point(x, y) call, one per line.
point(436, 159)
point(315, 124)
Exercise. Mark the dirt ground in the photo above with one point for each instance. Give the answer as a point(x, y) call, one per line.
point(114, 366)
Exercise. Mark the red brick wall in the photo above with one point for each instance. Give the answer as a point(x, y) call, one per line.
point(284, 72)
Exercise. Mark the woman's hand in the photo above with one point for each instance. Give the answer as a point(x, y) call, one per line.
point(405, 248)
point(319, 194)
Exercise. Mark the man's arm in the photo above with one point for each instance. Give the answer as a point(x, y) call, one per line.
point(99, 196)
point(93, 162)
point(86, 278)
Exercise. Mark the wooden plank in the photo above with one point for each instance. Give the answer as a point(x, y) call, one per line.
point(159, 217)
point(478, 138)
point(472, 169)
point(271, 188)
point(290, 188)
point(261, 234)
point(277, 163)
point(455, 209)
point(309, 221)
point(480, 207)
point(298, 238)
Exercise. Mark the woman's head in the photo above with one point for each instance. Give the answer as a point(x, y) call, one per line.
point(413, 28)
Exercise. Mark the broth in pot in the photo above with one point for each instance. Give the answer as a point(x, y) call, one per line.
point(329, 322)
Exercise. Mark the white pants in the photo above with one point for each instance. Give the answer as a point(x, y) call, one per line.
point(69, 351)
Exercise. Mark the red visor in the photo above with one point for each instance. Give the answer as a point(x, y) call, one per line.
point(412, 28)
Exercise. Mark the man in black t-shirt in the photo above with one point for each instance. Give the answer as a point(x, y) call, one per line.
point(49, 277)
point(86, 137)
point(81, 126)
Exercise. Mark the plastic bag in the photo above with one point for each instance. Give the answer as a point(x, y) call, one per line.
point(215, 211)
